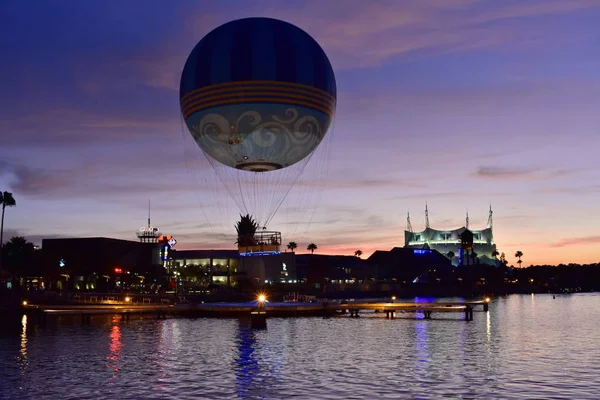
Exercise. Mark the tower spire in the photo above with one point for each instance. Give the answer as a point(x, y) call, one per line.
point(149, 213)
point(426, 217)
point(467, 220)
point(490, 223)
point(408, 224)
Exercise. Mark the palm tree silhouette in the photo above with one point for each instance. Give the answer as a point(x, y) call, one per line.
point(7, 200)
point(246, 228)
point(311, 247)
point(450, 255)
point(358, 253)
point(519, 254)
point(292, 246)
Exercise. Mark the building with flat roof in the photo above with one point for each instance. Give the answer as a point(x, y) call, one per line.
point(83, 262)
point(404, 264)
point(227, 267)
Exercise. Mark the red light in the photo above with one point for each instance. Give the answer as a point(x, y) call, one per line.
point(118, 270)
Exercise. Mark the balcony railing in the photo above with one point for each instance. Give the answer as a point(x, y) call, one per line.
point(262, 242)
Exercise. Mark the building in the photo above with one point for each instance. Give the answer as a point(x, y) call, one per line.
point(228, 267)
point(321, 268)
point(90, 263)
point(404, 264)
point(449, 243)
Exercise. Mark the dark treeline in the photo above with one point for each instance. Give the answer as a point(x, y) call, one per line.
point(578, 277)
point(533, 279)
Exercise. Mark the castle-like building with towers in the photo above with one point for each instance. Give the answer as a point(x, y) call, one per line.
point(451, 242)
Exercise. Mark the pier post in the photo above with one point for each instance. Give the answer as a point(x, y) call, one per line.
point(486, 304)
point(258, 316)
point(469, 313)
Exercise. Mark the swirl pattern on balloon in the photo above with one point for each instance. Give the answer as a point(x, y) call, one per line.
point(258, 137)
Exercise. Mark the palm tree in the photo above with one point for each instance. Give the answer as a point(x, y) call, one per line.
point(450, 255)
point(495, 253)
point(519, 254)
point(503, 259)
point(358, 253)
point(292, 246)
point(7, 200)
point(312, 247)
point(246, 228)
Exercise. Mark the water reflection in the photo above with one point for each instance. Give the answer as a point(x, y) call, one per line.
point(506, 354)
point(116, 347)
point(488, 327)
point(247, 367)
point(23, 360)
point(24, 337)
point(421, 350)
point(164, 348)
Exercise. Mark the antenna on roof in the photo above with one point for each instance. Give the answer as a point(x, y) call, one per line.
point(490, 223)
point(149, 213)
point(426, 217)
point(467, 220)
point(408, 224)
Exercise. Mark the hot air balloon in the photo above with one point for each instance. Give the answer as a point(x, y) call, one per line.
point(258, 95)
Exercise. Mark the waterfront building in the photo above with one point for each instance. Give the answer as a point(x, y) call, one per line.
point(404, 264)
point(91, 263)
point(228, 267)
point(450, 243)
point(321, 268)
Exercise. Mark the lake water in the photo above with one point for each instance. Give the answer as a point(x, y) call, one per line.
point(526, 347)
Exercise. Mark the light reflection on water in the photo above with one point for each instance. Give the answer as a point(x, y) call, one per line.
point(530, 347)
point(115, 350)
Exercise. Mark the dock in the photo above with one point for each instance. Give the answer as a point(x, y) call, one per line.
point(283, 309)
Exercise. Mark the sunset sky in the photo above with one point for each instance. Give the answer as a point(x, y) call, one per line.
point(453, 103)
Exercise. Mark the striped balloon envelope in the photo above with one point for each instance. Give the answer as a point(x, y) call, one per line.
point(258, 94)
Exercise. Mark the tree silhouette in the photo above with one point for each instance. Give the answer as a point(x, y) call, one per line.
point(503, 259)
point(246, 228)
point(19, 255)
point(519, 254)
point(495, 253)
point(358, 253)
point(292, 246)
point(311, 247)
point(7, 200)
